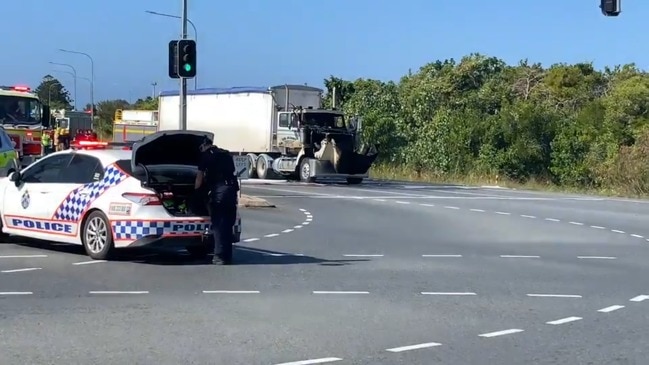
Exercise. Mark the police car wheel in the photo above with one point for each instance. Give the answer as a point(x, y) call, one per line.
point(97, 237)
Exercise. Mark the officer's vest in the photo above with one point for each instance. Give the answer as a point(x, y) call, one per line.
point(45, 139)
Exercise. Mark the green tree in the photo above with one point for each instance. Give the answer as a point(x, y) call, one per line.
point(567, 124)
point(105, 115)
point(50, 91)
point(147, 103)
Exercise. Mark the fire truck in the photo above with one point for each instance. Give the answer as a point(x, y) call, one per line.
point(25, 119)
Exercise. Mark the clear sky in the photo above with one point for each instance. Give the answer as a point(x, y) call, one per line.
point(268, 42)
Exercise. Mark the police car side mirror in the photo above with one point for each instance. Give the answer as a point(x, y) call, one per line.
point(15, 177)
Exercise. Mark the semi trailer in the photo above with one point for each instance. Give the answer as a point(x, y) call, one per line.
point(283, 130)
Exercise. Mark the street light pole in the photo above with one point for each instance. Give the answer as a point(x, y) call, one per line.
point(92, 81)
point(190, 23)
point(74, 74)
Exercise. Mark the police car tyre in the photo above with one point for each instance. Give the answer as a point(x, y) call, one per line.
point(97, 237)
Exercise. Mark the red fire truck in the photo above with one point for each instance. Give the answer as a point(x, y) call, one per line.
point(24, 118)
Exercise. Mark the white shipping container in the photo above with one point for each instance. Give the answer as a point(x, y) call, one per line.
point(243, 119)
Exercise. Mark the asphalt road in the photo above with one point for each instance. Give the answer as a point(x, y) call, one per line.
point(381, 273)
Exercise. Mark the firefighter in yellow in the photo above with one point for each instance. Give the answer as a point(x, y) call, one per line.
point(62, 137)
point(46, 141)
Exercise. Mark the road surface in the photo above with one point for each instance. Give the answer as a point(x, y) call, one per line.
point(380, 273)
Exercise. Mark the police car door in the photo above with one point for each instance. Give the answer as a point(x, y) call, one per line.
point(24, 206)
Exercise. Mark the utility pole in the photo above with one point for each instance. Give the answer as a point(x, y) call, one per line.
point(183, 81)
point(154, 84)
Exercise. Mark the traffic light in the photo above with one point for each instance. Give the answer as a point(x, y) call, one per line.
point(611, 7)
point(186, 58)
point(173, 59)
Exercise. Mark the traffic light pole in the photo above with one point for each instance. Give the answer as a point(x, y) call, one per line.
point(183, 81)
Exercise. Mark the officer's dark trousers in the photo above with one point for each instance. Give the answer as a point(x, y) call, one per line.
point(223, 212)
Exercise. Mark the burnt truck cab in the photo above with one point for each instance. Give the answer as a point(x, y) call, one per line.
point(323, 144)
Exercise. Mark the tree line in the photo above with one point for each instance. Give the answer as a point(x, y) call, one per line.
point(568, 125)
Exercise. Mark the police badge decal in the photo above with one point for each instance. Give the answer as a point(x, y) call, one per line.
point(25, 200)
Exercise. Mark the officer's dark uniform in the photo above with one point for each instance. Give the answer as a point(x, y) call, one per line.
point(218, 167)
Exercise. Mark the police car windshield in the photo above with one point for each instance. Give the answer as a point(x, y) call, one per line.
point(19, 110)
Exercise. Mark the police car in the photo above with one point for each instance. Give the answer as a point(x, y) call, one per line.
point(106, 199)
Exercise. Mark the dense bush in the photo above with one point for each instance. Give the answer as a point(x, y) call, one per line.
point(570, 125)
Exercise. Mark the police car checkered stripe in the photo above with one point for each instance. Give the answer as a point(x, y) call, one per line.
point(134, 230)
point(76, 203)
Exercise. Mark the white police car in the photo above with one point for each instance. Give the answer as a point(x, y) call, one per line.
point(113, 198)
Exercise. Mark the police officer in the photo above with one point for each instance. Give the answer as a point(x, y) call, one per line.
point(216, 173)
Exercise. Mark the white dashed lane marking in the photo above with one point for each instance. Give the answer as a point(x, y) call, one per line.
point(362, 255)
point(117, 292)
point(339, 292)
point(447, 293)
point(89, 262)
point(639, 298)
point(441, 255)
point(564, 320)
point(597, 257)
point(501, 333)
point(271, 235)
point(554, 295)
point(323, 360)
point(231, 292)
point(610, 309)
point(414, 347)
point(307, 220)
point(3, 293)
point(22, 270)
point(22, 256)
point(519, 257)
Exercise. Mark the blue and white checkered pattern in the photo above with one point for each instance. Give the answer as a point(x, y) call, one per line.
point(76, 203)
point(135, 230)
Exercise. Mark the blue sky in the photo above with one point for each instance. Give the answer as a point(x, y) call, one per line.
point(268, 42)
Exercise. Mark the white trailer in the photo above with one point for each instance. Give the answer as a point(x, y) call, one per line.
point(282, 130)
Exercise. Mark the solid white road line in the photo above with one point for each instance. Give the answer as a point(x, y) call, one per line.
point(554, 295)
point(597, 257)
point(519, 257)
point(22, 270)
point(414, 347)
point(16, 293)
point(441, 255)
point(447, 293)
point(22, 256)
point(118, 292)
point(340, 292)
point(89, 262)
point(501, 333)
point(231, 292)
point(610, 309)
point(639, 298)
point(361, 255)
point(312, 361)
point(564, 320)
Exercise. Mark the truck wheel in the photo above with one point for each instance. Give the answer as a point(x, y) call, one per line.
point(252, 169)
point(305, 171)
point(262, 167)
point(354, 180)
point(97, 236)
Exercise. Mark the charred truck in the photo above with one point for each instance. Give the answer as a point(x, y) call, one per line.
point(283, 130)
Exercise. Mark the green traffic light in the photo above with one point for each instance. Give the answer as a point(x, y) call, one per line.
point(188, 67)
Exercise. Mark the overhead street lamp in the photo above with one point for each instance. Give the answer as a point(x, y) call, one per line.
point(92, 81)
point(188, 21)
point(74, 74)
